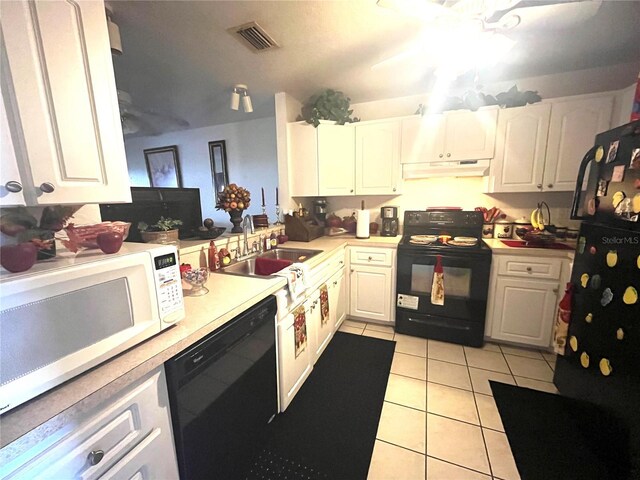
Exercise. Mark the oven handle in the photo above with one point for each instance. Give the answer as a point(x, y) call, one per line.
point(445, 257)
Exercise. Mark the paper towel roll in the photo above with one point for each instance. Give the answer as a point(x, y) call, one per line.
point(362, 225)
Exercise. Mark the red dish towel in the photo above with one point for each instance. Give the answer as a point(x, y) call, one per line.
point(268, 266)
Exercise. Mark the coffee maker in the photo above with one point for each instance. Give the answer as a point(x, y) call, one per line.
point(320, 211)
point(390, 225)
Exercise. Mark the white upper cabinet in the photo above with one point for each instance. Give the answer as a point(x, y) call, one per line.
point(336, 162)
point(521, 142)
point(378, 158)
point(574, 125)
point(452, 136)
point(61, 75)
point(343, 160)
point(10, 182)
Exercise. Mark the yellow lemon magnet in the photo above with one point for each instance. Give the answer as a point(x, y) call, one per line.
point(620, 334)
point(573, 343)
point(584, 280)
point(605, 367)
point(612, 258)
point(589, 318)
point(617, 198)
point(630, 296)
point(599, 154)
point(584, 359)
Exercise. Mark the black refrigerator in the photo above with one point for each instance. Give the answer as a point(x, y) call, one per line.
point(602, 357)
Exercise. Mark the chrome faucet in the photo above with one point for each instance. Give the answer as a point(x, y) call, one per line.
point(247, 225)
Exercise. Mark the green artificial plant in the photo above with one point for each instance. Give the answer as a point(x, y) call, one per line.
point(329, 105)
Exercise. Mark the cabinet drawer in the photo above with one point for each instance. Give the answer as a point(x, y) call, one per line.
point(321, 273)
point(105, 437)
point(371, 256)
point(530, 267)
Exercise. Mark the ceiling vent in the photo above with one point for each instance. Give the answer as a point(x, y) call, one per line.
point(254, 36)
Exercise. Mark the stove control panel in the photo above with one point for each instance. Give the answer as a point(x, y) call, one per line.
point(455, 218)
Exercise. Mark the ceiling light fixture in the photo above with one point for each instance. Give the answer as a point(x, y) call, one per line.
point(241, 90)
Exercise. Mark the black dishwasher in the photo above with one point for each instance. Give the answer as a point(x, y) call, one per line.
point(223, 393)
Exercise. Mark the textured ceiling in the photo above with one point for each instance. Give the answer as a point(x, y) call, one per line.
point(179, 58)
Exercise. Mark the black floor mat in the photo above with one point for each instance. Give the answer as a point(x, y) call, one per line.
point(552, 436)
point(329, 430)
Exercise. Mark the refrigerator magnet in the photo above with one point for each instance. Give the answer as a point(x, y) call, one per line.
point(630, 296)
point(573, 343)
point(607, 296)
point(584, 359)
point(612, 258)
point(592, 206)
point(584, 280)
point(617, 198)
point(635, 159)
point(596, 281)
point(635, 203)
point(588, 317)
point(620, 334)
point(618, 173)
point(613, 151)
point(605, 367)
point(599, 154)
point(602, 187)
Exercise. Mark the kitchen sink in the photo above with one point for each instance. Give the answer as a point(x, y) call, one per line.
point(247, 267)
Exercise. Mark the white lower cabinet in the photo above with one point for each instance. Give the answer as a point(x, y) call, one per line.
point(524, 294)
point(129, 436)
point(371, 283)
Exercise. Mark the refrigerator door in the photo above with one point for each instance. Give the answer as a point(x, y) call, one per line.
point(612, 195)
point(604, 333)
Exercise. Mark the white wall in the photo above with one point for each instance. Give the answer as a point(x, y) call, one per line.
point(251, 161)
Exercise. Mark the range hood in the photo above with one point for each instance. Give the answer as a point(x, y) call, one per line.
point(461, 168)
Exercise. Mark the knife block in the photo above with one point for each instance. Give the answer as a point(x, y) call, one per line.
point(301, 229)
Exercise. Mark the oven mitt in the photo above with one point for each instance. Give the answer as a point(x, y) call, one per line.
point(437, 285)
point(324, 304)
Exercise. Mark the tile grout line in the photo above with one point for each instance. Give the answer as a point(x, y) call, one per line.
point(461, 466)
point(475, 402)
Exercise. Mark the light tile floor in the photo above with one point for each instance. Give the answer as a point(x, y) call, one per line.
point(439, 420)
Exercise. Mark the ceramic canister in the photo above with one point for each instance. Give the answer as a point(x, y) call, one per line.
point(487, 230)
point(502, 229)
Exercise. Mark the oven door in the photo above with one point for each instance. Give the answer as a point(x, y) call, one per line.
point(466, 281)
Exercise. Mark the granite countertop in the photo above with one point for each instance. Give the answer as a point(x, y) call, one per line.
point(229, 295)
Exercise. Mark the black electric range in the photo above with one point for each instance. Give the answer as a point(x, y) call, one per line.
point(466, 264)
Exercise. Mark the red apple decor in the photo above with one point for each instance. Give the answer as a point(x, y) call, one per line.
point(18, 258)
point(109, 242)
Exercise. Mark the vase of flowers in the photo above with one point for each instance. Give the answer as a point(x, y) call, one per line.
point(234, 200)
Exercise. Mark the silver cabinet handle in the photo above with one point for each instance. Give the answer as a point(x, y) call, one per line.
point(539, 185)
point(335, 282)
point(351, 191)
point(555, 290)
point(47, 187)
point(550, 185)
point(529, 269)
point(352, 270)
point(370, 258)
point(341, 262)
point(95, 457)
point(13, 186)
point(394, 189)
point(448, 154)
point(440, 156)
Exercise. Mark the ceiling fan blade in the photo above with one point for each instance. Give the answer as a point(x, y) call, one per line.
point(425, 9)
point(551, 15)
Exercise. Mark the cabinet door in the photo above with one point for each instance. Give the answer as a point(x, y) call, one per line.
point(422, 139)
point(521, 144)
point(11, 185)
point(524, 311)
point(378, 158)
point(302, 142)
point(371, 292)
point(337, 300)
point(293, 370)
point(574, 125)
point(62, 75)
point(336, 167)
point(470, 135)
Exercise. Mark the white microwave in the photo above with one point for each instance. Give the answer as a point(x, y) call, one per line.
point(73, 312)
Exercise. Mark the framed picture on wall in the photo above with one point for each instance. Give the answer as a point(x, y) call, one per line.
point(219, 173)
point(163, 166)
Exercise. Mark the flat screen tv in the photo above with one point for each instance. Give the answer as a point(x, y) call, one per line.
point(149, 204)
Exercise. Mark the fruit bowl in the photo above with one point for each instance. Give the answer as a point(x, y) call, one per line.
point(85, 236)
point(213, 232)
point(197, 277)
point(539, 238)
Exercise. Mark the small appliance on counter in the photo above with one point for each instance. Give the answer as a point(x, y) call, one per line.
point(320, 211)
point(390, 222)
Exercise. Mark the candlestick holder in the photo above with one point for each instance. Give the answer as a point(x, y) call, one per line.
point(278, 222)
point(264, 209)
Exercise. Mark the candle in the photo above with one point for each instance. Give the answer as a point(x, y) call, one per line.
point(277, 203)
point(263, 204)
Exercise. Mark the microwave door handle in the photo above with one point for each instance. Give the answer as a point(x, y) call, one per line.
point(577, 194)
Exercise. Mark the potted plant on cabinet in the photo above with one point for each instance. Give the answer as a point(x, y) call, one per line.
point(163, 231)
point(329, 105)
